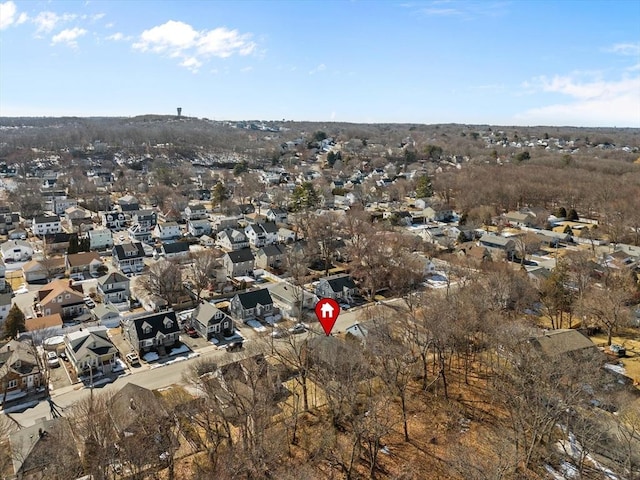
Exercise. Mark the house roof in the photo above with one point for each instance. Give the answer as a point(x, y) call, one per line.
point(113, 277)
point(176, 247)
point(272, 250)
point(5, 299)
point(206, 312)
point(46, 219)
point(269, 227)
point(15, 351)
point(57, 287)
point(81, 259)
point(128, 200)
point(131, 404)
point(255, 297)
point(90, 342)
point(241, 256)
point(339, 282)
point(34, 446)
point(163, 322)
point(103, 310)
point(11, 244)
point(135, 250)
point(40, 323)
point(490, 239)
point(559, 342)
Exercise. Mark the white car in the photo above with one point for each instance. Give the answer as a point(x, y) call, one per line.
point(21, 289)
point(52, 359)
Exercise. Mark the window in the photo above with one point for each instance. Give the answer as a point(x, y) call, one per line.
point(12, 384)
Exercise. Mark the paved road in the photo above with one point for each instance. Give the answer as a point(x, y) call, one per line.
point(173, 373)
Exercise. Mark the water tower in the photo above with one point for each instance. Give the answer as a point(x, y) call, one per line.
point(179, 111)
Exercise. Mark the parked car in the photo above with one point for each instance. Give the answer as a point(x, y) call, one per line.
point(234, 346)
point(298, 328)
point(192, 332)
point(132, 359)
point(52, 359)
point(618, 350)
point(278, 333)
point(89, 302)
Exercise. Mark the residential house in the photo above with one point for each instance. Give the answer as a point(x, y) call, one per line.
point(154, 331)
point(338, 287)
point(498, 244)
point(277, 215)
point(207, 241)
point(221, 223)
point(77, 213)
point(286, 235)
point(43, 327)
point(271, 256)
point(114, 288)
point(261, 234)
point(20, 370)
point(175, 250)
point(46, 225)
point(231, 240)
point(519, 219)
point(438, 214)
point(61, 296)
point(195, 212)
point(167, 231)
point(90, 348)
point(238, 263)
point(128, 257)
point(16, 250)
point(8, 221)
point(58, 242)
point(83, 263)
point(37, 271)
point(36, 452)
point(291, 298)
point(202, 194)
point(143, 223)
point(252, 304)
point(114, 220)
point(60, 204)
point(106, 314)
point(128, 203)
point(210, 321)
point(566, 342)
point(17, 234)
point(197, 228)
point(5, 306)
point(3, 271)
point(100, 239)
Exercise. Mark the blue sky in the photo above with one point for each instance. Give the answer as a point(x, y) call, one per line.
point(496, 62)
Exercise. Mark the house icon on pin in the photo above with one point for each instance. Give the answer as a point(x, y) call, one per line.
point(326, 310)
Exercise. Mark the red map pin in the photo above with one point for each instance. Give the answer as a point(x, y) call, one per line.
point(327, 311)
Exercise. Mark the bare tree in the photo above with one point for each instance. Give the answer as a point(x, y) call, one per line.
point(203, 267)
point(164, 280)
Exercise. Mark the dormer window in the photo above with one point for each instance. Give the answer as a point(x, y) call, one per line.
point(146, 328)
point(168, 323)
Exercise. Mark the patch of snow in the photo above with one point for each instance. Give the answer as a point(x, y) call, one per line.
point(256, 325)
point(616, 367)
point(150, 357)
point(214, 340)
point(119, 366)
point(179, 350)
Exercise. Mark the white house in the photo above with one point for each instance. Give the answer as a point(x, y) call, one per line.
point(16, 251)
point(5, 306)
point(232, 240)
point(261, 234)
point(100, 239)
point(197, 228)
point(46, 225)
point(167, 231)
point(195, 212)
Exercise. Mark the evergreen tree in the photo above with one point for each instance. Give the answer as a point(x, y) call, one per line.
point(73, 244)
point(423, 187)
point(304, 196)
point(572, 215)
point(15, 322)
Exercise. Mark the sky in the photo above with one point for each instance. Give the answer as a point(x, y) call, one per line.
point(570, 62)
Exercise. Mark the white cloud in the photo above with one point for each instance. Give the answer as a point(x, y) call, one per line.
point(8, 14)
point(625, 49)
point(68, 36)
point(320, 68)
point(180, 40)
point(116, 37)
point(591, 102)
point(191, 63)
point(246, 69)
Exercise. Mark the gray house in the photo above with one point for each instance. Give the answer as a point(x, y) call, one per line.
point(256, 303)
point(128, 257)
point(152, 332)
point(338, 287)
point(114, 288)
point(210, 321)
point(270, 256)
point(238, 263)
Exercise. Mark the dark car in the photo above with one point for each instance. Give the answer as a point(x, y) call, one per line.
point(234, 346)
